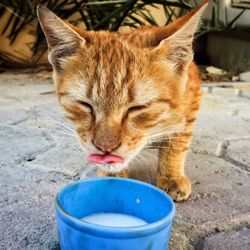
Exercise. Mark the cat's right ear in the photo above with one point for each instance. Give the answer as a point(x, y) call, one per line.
point(62, 40)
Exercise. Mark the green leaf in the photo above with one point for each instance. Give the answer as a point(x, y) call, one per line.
point(126, 11)
point(96, 15)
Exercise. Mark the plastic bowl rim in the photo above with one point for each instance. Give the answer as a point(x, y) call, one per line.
point(116, 232)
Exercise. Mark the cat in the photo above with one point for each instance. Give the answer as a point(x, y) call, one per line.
point(125, 91)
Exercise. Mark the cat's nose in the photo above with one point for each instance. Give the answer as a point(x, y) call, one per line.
point(106, 148)
point(107, 137)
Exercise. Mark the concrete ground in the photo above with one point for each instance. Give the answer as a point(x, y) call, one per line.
point(39, 155)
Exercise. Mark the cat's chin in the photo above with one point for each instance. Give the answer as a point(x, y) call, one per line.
point(113, 168)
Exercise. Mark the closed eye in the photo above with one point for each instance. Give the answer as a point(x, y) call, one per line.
point(137, 108)
point(86, 105)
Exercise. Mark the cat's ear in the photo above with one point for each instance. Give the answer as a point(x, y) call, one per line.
point(62, 39)
point(178, 47)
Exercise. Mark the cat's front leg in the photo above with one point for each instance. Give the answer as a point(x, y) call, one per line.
point(123, 173)
point(170, 173)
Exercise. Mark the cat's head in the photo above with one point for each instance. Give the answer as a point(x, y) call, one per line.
point(121, 92)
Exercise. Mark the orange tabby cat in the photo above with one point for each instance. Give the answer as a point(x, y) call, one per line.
point(125, 91)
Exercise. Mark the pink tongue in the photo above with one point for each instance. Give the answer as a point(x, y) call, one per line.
point(102, 159)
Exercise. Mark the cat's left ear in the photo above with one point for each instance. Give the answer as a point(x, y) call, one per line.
point(62, 39)
point(178, 47)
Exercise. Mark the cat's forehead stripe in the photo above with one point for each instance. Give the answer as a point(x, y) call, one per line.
point(112, 74)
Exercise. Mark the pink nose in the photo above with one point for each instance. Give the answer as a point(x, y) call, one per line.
point(104, 159)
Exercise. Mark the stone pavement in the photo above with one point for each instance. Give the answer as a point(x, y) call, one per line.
point(39, 155)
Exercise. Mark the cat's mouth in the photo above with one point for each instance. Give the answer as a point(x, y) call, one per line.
point(105, 158)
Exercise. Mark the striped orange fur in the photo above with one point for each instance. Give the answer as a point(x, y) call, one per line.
point(123, 92)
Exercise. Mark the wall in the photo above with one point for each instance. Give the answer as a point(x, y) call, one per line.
point(231, 11)
point(20, 49)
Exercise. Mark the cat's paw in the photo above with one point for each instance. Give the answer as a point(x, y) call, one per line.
point(123, 174)
point(178, 188)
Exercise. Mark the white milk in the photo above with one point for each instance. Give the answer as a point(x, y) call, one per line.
point(114, 220)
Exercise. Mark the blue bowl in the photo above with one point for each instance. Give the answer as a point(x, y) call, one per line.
point(113, 195)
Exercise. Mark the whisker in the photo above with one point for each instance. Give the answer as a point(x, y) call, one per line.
point(168, 139)
point(166, 144)
point(65, 137)
point(159, 147)
point(165, 129)
point(135, 168)
point(62, 124)
point(147, 153)
point(165, 141)
point(53, 118)
point(162, 134)
point(48, 113)
point(156, 157)
point(65, 133)
point(179, 143)
point(146, 170)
